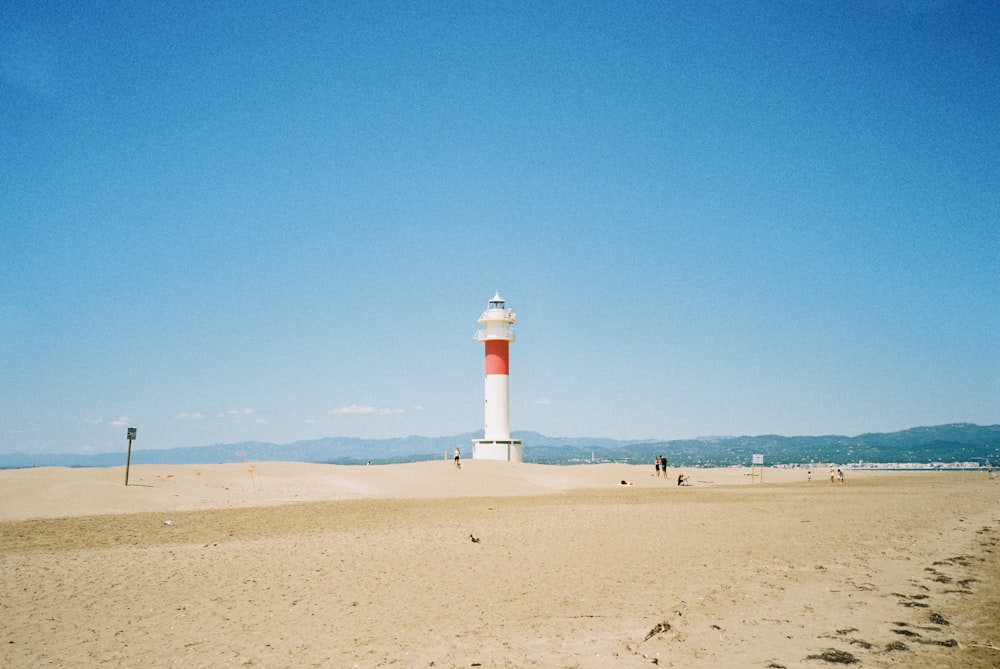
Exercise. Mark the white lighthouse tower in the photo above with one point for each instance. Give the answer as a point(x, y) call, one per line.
point(497, 334)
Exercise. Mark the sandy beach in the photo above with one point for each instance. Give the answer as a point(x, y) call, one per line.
point(496, 565)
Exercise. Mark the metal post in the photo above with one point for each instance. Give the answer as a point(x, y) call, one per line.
point(128, 460)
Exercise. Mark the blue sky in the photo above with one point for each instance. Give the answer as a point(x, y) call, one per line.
point(280, 221)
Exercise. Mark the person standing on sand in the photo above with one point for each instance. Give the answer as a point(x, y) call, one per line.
point(656, 463)
point(663, 465)
point(458, 455)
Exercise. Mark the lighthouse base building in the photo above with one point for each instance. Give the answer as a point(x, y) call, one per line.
point(493, 449)
point(496, 335)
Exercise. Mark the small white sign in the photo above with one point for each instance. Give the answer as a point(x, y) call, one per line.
point(758, 458)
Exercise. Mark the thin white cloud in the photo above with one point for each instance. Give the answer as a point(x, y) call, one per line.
point(543, 402)
point(191, 416)
point(362, 409)
point(236, 413)
point(94, 421)
point(352, 409)
point(122, 421)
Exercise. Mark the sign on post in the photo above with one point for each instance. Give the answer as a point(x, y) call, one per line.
point(130, 434)
point(757, 461)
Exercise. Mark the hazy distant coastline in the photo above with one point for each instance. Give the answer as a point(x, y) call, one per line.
point(951, 446)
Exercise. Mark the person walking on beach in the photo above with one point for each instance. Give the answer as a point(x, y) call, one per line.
point(656, 463)
point(663, 465)
point(458, 455)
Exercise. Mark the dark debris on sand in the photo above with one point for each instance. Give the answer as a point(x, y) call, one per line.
point(913, 605)
point(658, 628)
point(938, 619)
point(834, 656)
point(947, 643)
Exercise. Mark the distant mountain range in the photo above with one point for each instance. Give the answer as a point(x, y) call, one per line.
point(960, 442)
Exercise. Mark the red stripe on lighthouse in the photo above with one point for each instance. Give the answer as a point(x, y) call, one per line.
point(496, 356)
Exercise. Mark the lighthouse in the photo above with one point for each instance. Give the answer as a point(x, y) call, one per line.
point(496, 335)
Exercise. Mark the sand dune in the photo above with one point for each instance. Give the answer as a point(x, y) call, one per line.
point(293, 565)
